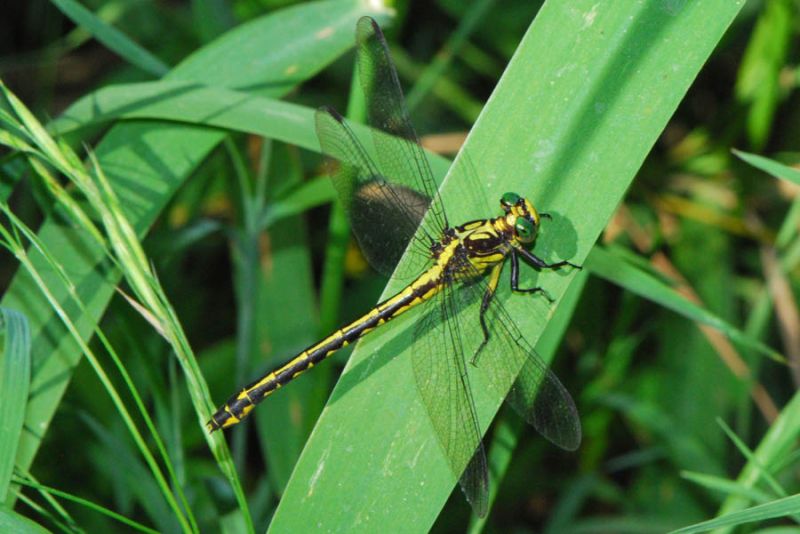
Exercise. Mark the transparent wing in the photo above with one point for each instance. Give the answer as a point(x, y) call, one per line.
point(448, 333)
point(473, 191)
point(386, 186)
point(441, 377)
point(400, 154)
point(513, 365)
point(384, 215)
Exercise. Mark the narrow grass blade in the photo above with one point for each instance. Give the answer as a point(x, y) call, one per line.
point(88, 504)
point(772, 510)
point(111, 37)
point(774, 448)
point(747, 453)
point(770, 166)
point(725, 486)
point(618, 271)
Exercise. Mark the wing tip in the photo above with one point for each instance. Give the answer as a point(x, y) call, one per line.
point(567, 439)
point(367, 23)
point(330, 110)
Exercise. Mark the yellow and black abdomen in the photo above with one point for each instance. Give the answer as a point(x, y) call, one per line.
point(240, 404)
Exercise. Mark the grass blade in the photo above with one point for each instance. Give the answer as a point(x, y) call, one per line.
point(15, 374)
point(111, 37)
point(773, 449)
point(775, 509)
point(617, 270)
point(769, 166)
point(10, 521)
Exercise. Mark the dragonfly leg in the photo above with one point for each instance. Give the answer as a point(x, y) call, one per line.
point(515, 279)
point(540, 263)
point(491, 288)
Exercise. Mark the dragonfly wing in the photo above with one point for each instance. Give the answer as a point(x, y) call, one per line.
point(387, 186)
point(384, 215)
point(443, 384)
point(541, 399)
point(400, 155)
point(515, 369)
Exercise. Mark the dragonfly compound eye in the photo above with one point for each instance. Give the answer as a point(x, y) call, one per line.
point(509, 200)
point(525, 229)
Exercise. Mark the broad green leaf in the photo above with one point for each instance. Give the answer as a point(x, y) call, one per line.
point(15, 373)
point(191, 103)
point(199, 105)
point(11, 521)
point(147, 161)
point(581, 103)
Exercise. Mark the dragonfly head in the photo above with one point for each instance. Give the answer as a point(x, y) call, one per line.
point(521, 217)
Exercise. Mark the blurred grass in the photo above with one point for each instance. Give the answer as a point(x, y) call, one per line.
point(238, 236)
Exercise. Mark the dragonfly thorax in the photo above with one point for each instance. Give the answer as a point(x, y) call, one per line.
point(438, 247)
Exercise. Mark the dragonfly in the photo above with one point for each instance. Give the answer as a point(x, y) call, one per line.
point(392, 200)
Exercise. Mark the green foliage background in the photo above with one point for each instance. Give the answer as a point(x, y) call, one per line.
point(170, 235)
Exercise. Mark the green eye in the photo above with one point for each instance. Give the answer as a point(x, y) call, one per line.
point(509, 199)
point(525, 230)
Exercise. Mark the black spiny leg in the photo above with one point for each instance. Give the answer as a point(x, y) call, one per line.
point(491, 288)
point(540, 263)
point(515, 276)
